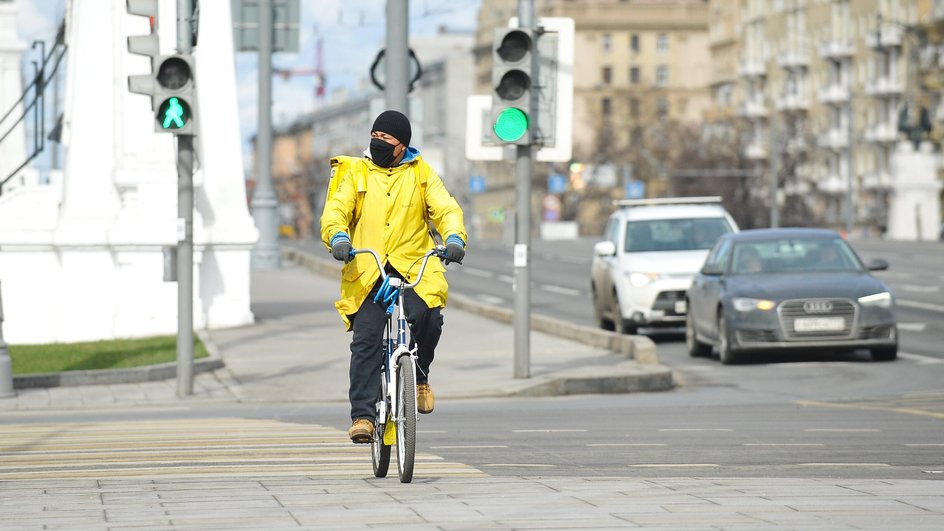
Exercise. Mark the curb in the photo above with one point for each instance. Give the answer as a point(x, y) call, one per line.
point(638, 348)
point(147, 373)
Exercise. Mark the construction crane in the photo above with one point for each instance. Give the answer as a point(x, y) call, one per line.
point(317, 71)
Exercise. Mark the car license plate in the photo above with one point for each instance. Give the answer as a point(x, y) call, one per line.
point(819, 324)
point(681, 307)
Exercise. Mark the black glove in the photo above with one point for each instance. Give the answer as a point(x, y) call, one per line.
point(341, 248)
point(455, 250)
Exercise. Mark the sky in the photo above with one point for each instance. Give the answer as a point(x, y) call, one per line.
point(352, 32)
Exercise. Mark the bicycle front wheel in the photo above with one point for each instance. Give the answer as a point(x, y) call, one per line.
point(380, 452)
point(406, 418)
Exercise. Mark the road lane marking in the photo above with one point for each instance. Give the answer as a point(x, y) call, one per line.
point(920, 305)
point(571, 260)
point(478, 272)
point(845, 464)
point(912, 327)
point(506, 278)
point(911, 405)
point(520, 465)
point(471, 446)
point(627, 444)
point(561, 290)
point(920, 359)
point(676, 465)
point(784, 444)
point(550, 431)
point(916, 288)
point(491, 300)
point(843, 430)
point(695, 429)
point(923, 445)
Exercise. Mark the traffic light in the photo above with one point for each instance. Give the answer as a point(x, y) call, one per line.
point(171, 81)
point(512, 85)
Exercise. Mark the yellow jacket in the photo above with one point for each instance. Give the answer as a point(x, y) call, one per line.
point(389, 218)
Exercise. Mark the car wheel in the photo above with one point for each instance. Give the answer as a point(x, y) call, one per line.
point(602, 322)
point(725, 354)
point(623, 326)
point(885, 353)
point(695, 347)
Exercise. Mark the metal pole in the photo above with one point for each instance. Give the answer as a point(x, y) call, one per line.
point(265, 254)
point(397, 57)
point(850, 211)
point(774, 176)
point(522, 258)
point(6, 365)
point(185, 228)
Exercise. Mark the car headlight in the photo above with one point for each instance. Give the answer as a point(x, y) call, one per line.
point(639, 280)
point(882, 300)
point(746, 304)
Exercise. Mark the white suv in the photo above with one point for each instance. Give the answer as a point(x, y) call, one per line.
point(651, 250)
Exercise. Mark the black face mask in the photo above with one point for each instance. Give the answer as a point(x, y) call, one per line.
point(381, 152)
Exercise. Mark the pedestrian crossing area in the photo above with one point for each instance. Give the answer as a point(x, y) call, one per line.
point(194, 447)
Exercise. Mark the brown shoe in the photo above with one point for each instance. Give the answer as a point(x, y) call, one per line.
point(425, 400)
point(361, 431)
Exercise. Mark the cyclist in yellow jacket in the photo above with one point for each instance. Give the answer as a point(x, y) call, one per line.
point(383, 202)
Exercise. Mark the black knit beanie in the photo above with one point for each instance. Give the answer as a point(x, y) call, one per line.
point(395, 124)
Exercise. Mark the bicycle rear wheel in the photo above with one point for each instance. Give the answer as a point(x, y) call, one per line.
point(380, 452)
point(406, 418)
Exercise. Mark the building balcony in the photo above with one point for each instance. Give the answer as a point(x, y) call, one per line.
point(836, 49)
point(791, 59)
point(756, 151)
point(793, 102)
point(834, 94)
point(835, 139)
point(884, 86)
point(877, 181)
point(753, 109)
point(832, 184)
point(881, 133)
point(889, 37)
point(752, 67)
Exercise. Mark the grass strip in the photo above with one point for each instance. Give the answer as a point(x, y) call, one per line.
point(112, 354)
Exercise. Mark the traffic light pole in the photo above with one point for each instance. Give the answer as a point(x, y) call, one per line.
point(397, 57)
point(265, 255)
point(185, 228)
point(522, 251)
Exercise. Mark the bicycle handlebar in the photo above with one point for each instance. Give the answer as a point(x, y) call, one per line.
point(437, 251)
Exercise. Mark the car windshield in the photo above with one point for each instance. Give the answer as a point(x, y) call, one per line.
point(794, 255)
point(674, 234)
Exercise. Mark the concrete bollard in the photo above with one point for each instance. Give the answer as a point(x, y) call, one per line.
point(6, 366)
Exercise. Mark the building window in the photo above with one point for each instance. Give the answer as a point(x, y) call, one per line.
point(636, 135)
point(607, 75)
point(634, 42)
point(607, 42)
point(634, 107)
point(662, 108)
point(662, 75)
point(662, 43)
point(634, 75)
point(606, 106)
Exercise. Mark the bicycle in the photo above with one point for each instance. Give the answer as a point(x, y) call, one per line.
point(396, 413)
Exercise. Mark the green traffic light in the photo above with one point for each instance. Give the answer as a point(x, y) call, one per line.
point(174, 113)
point(511, 124)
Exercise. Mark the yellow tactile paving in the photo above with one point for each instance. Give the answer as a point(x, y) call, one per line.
point(204, 447)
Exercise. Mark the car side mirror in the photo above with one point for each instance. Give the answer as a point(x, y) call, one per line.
point(878, 264)
point(606, 248)
point(712, 270)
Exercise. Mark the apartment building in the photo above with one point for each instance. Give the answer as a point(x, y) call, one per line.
point(824, 82)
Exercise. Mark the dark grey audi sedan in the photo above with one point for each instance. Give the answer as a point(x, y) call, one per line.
point(788, 289)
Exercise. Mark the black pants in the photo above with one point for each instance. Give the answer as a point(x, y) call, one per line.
point(367, 347)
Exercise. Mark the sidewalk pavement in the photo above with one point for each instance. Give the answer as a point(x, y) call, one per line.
point(298, 351)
